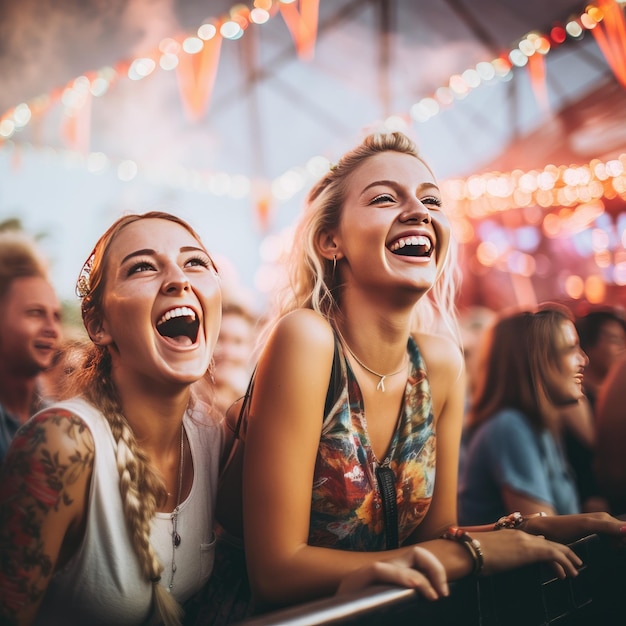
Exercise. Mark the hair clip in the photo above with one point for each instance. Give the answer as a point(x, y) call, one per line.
point(83, 286)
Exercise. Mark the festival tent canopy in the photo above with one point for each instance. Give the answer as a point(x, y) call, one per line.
point(228, 112)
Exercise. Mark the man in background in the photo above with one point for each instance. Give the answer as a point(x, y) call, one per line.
point(234, 353)
point(30, 330)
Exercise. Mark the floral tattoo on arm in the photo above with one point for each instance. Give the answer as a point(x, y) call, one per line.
point(47, 456)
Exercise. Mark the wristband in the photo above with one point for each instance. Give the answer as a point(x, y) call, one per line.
point(515, 520)
point(471, 545)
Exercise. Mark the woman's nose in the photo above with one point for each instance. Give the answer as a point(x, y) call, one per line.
point(417, 212)
point(175, 281)
point(584, 357)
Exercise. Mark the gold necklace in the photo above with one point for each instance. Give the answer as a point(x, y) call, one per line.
point(175, 536)
point(381, 383)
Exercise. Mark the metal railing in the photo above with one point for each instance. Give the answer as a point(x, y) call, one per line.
point(528, 596)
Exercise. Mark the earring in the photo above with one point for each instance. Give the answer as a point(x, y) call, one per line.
point(334, 264)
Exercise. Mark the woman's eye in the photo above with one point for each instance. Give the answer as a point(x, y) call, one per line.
point(383, 197)
point(142, 266)
point(198, 261)
point(432, 200)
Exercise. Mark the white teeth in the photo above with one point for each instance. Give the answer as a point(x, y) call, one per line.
point(182, 311)
point(415, 240)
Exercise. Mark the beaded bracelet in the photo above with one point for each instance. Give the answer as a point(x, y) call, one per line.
point(472, 545)
point(515, 520)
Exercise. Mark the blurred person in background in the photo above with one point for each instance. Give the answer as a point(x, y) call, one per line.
point(602, 336)
point(533, 366)
point(233, 357)
point(610, 458)
point(474, 323)
point(30, 330)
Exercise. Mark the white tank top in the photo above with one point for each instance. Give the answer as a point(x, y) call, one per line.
point(102, 583)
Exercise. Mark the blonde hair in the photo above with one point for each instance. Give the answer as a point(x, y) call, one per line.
point(313, 282)
point(141, 487)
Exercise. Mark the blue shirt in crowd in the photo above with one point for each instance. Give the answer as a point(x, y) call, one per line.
point(507, 451)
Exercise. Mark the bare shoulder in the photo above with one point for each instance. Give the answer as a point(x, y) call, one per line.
point(296, 361)
point(441, 355)
point(55, 446)
point(304, 329)
point(306, 321)
point(445, 368)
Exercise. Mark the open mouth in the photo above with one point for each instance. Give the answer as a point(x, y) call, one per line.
point(180, 325)
point(416, 245)
point(44, 346)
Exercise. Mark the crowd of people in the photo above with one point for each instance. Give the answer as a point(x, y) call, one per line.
point(184, 461)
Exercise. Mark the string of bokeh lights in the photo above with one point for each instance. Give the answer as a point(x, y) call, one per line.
point(578, 190)
point(233, 26)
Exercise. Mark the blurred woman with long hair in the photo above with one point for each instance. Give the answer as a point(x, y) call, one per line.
point(532, 367)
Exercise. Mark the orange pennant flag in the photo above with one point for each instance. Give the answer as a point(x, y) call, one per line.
point(610, 35)
point(196, 76)
point(76, 127)
point(537, 73)
point(302, 25)
point(263, 208)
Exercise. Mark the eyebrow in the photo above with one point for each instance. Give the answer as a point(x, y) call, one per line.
point(394, 183)
point(151, 252)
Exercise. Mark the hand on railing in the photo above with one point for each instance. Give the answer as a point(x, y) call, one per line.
point(569, 528)
point(507, 549)
point(596, 597)
point(416, 569)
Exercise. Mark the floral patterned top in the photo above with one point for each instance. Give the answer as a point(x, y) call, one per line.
point(346, 508)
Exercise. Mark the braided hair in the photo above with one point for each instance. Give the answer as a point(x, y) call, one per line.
point(141, 488)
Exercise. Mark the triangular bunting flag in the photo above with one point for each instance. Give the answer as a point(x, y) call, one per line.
point(196, 76)
point(302, 25)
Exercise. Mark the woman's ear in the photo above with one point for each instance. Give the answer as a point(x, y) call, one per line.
point(97, 332)
point(328, 246)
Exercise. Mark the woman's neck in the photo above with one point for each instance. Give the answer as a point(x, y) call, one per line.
point(154, 415)
point(374, 336)
point(389, 321)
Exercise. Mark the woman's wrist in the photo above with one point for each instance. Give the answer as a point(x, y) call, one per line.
point(516, 520)
point(472, 546)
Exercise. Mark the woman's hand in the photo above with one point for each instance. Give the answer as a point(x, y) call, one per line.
point(508, 549)
point(569, 528)
point(416, 569)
